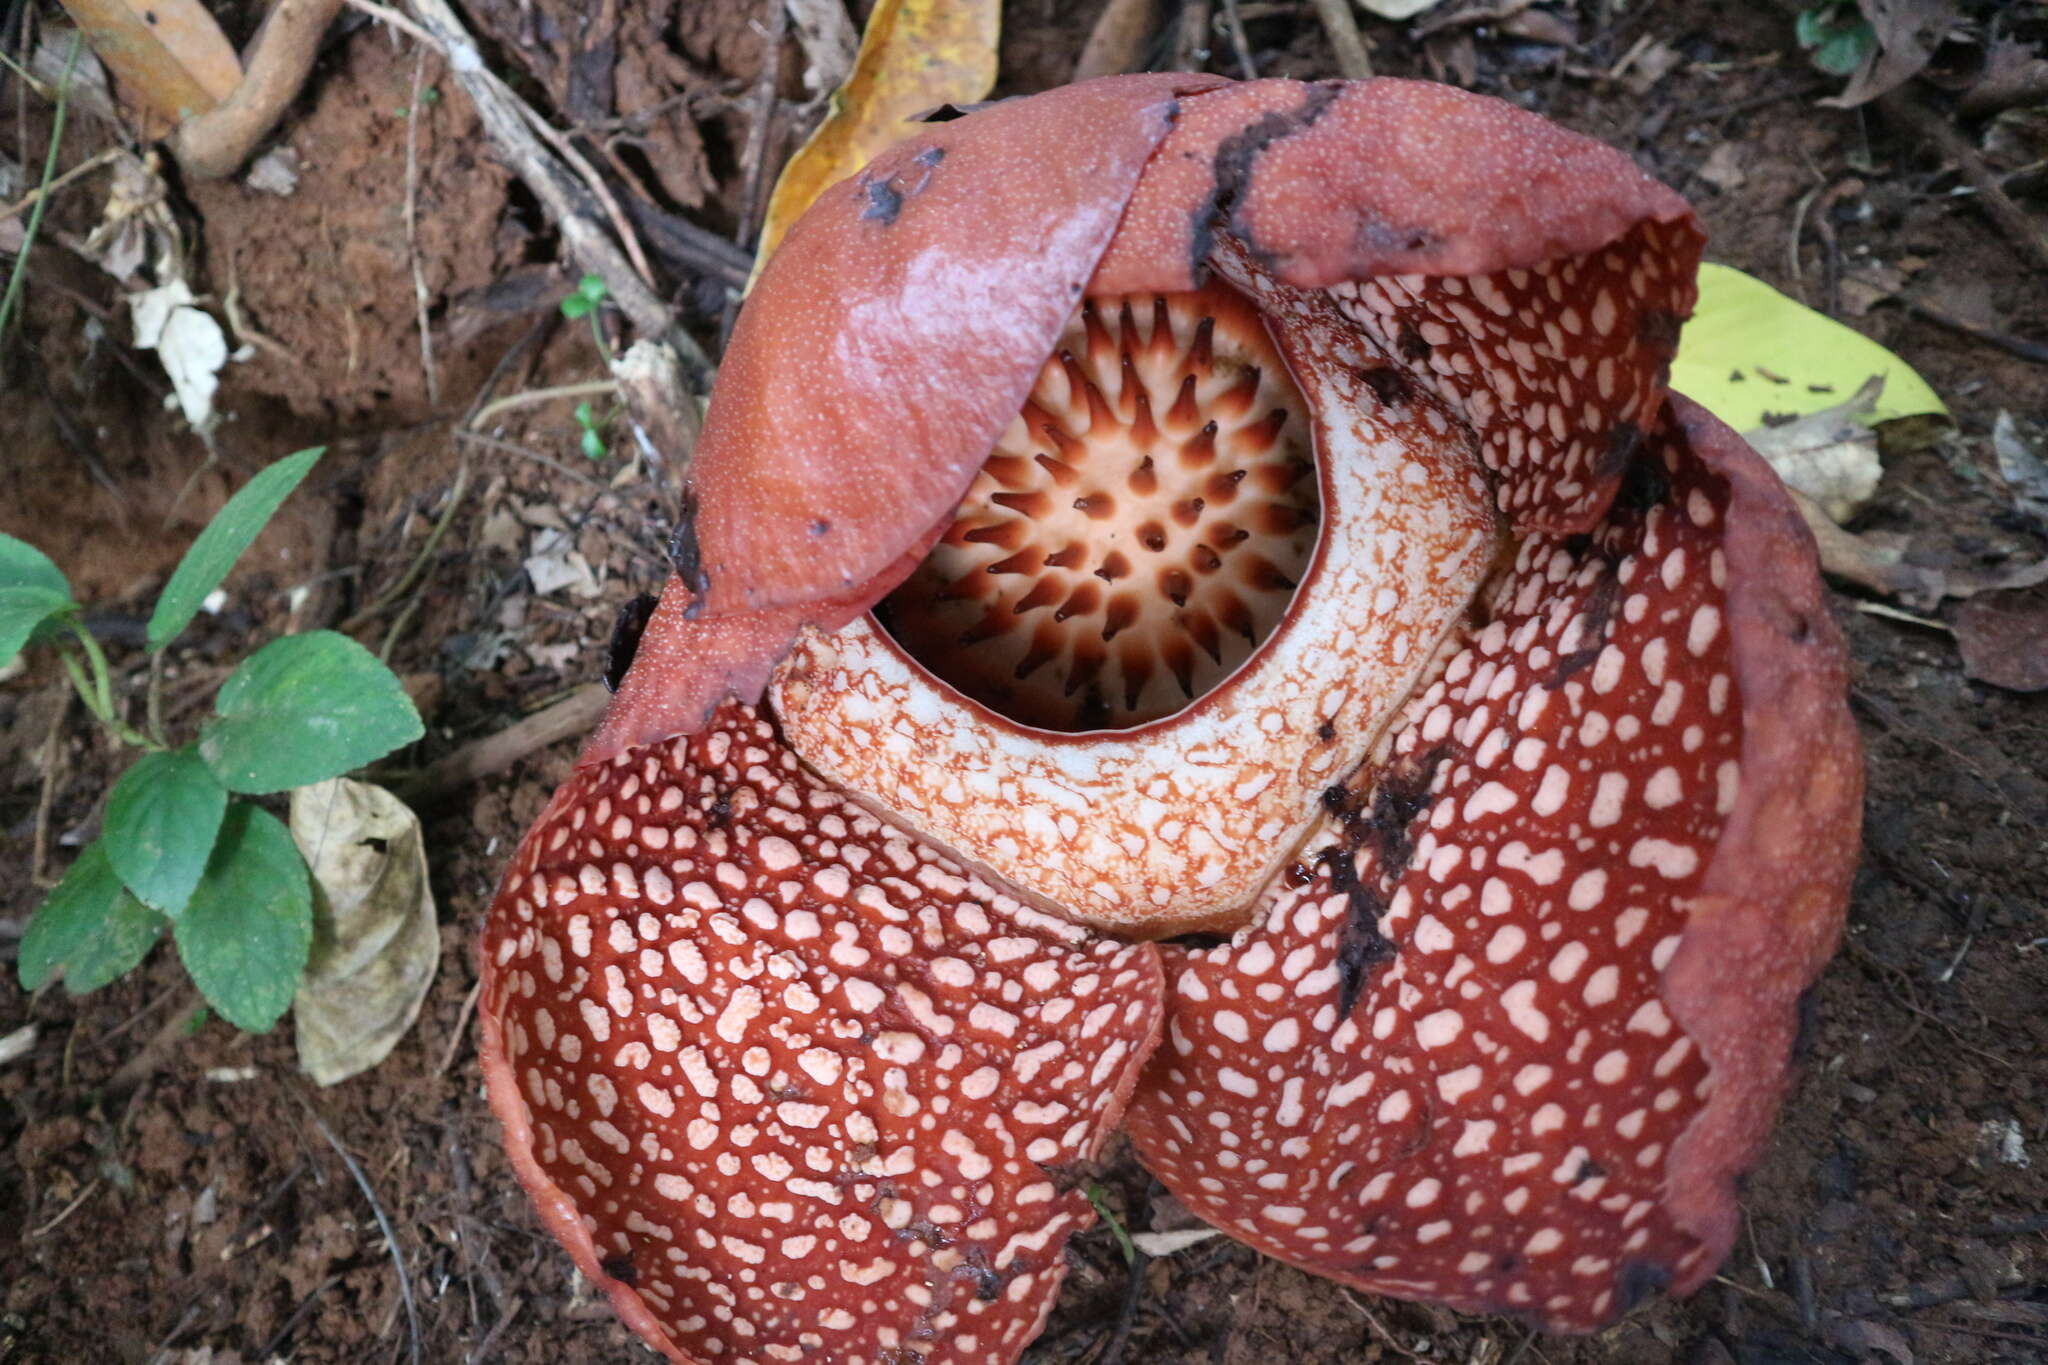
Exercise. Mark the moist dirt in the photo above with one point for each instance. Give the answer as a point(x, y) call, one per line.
point(167, 1196)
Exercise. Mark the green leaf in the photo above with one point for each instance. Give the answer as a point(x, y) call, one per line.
point(303, 709)
point(1812, 26)
point(592, 287)
point(90, 929)
point(222, 543)
point(576, 306)
point(246, 931)
point(1844, 50)
point(161, 820)
point(1751, 352)
point(22, 565)
point(592, 444)
point(22, 611)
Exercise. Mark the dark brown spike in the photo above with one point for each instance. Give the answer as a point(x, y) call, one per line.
point(1235, 615)
point(1063, 474)
point(1260, 574)
point(1144, 432)
point(1202, 354)
point(1188, 511)
point(1144, 480)
point(1034, 504)
point(1176, 584)
point(1135, 660)
point(1205, 559)
point(1121, 615)
point(1096, 506)
point(1068, 556)
point(1185, 411)
point(1007, 534)
point(1101, 345)
point(1089, 657)
point(1234, 402)
point(1077, 378)
point(1102, 416)
point(1114, 566)
point(1200, 449)
point(1258, 437)
point(1276, 477)
point(1160, 345)
point(1045, 647)
point(1011, 471)
point(1044, 593)
point(1152, 536)
point(1127, 339)
point(1282, 518)
point(1028, 560)
point(1201, 628)
point(1085, 600)
point(1179, 658)
point(994, 622)
point(1221, 489)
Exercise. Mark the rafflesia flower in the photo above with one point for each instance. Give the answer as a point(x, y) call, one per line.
point(1199, 611)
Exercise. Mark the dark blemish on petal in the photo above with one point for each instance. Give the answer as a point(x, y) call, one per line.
point(621, 1269)
point(1588, 1170)
point(1622, 443)
point(1410, 343)
point(820, 526)
point(930, 156)
point(1232, 166)
point(1657, 329)
point(685, 557)
point(721, 809)
point(885, 201)
point(1327, 731)
point(1644, 484)
point(1637, 1280)
point(627, 629)
point(1598, 611)
point(1386, 237)
point(1389, 385)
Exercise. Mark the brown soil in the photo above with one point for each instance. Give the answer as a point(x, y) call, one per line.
point(1897, 1215)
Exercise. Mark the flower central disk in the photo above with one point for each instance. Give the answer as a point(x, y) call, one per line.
point(1138, 530)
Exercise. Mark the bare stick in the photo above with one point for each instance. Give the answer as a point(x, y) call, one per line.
point(568, 718)
point(412, 226)
point(412, 1317)
point(216, 143)
point(1910, 110)
point(1346, 42)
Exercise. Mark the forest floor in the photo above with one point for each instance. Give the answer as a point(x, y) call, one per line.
point(163, 1195)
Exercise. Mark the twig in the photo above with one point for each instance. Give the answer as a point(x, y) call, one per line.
point(1910, 110)
point(92, 1188)
point(525, 453)
point(412, 226)
point(589, 388)
point(483, 1348)
point(53, 756)
point(142, 1065)
point(2025, 349)
point(298, 1316)
point(1127, 1316)
point(1381, 1330)
point(461, 1027)
point(86, 167)
point(1346, 42)
point(566, 719)
point(19, 275)
point(412, 1318)
point(1190, 49)
point(419, 562)
point(216, 143)
point(1234, 22)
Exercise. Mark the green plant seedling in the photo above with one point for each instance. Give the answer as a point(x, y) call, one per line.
point(1837, 35)
point(181, 846)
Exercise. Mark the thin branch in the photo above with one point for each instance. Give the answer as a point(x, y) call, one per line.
point(216, 143)
point(412, 1317)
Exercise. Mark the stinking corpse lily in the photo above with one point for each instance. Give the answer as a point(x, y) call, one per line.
point(1160, 507)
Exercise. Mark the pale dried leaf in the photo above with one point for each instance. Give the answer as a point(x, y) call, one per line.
point(825, 32)
point(1829, 455)
point(1117, 42)
point(2024, 471)
point(1397, 10)
point(168, 54)
point(2004, 640)
point(376, 943)
point(1167, 1243)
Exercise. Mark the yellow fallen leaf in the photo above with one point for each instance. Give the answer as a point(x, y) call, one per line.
point(169, 54)
point(914, 56)
point(1750, 353)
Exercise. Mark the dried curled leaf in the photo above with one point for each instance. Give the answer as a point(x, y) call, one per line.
point(1750, 355)
point(1830, 455)
point(914, 56)
point(169, 54)
point(375, 940)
